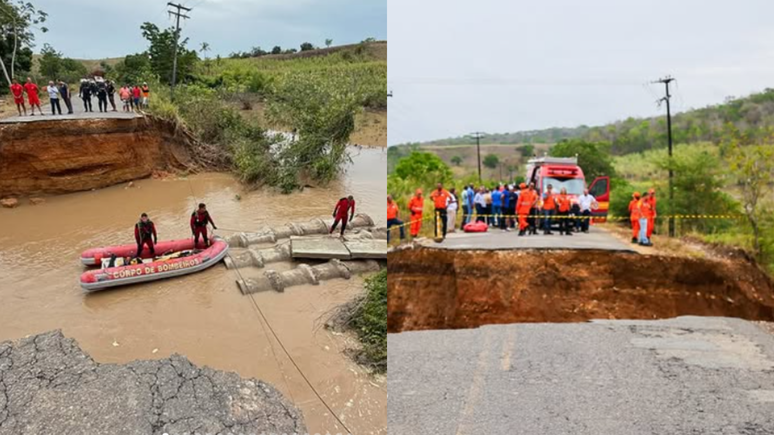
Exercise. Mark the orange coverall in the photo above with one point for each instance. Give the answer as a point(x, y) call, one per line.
point(652, 219)
point(634, 216)
point(415, 206)
point(524, 205)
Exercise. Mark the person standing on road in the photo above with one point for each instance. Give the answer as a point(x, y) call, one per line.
point(440, 198)
point(451, 209)
point(646, 213)
point(549, 209)
point(523, 206)
point(505, 198)
point(199, 220)
point(101, 95)
point(634, 216)
point(341, 213)
point(563, 205)
point(64, 91)
point(136, 93)
point(145, 95)
point(145, 235)
point(480, 203)
point(471, 204)
point(18, 97)
point(111, 92)
point(534, 221)
point(84, 92)
point(53, 96)
point(497, 205)
point(125, 95)
point(393, 219)
point(513, 198)
point(465, 207)
point(32, 96)
point(416, 207)
point(586, 203)
point(652, 220)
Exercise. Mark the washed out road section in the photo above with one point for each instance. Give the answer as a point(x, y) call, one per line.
point(496, 239)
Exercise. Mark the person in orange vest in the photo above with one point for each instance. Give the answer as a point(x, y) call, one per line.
point(634, 216)
point(440, 198)
point(393, 218)
point(563, 205)
point(532, 221)
point(416, 205)
point(646, 214)
point(652, 220)
point(523, 206)
point(549, 209)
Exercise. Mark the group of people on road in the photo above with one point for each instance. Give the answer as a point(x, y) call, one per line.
point(503, 206)
point(146, 237)
point(133, 97)
point(642, 213)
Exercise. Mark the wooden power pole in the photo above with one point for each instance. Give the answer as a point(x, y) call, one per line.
point(178, 14)
point(666, 81)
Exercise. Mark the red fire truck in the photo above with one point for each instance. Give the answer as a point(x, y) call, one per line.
point(564, 172)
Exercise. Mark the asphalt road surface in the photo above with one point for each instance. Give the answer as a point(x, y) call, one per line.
point(79, 114)
point(690, 375)
point(496, 239)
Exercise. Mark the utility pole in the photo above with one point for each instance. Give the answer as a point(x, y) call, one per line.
point(478, 135)
point(666, 81)
point(178, 14)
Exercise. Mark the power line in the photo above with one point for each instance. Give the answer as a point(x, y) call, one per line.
point(178, 14)
point(666, 81)
point(478, 135)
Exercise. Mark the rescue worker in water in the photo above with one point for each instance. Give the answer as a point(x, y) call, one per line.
point(199, 220)
point(145, 235)
point(341, 213)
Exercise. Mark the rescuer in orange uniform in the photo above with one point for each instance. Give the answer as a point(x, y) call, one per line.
point(523, 206)
point(563, 207)
point(416, 205)
point(634, 216)
point(652, 221)
point(549, 208)
point(393, 218)
point(440, 198)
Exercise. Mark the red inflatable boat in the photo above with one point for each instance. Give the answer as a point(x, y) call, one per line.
point(476, 227)
point(174, 258)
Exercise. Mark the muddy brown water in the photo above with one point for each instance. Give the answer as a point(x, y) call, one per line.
point(202, 316)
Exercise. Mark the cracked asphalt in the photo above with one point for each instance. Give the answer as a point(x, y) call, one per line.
point(688, 375)
point(48, 385)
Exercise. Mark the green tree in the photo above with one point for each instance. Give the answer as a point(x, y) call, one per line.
point(526, 150)
point(133, 69)
point(456, 160)
point(306, 46)
point(752, 164)
point(328, 42)
point(17, 19)
point(424, 169)
point(161, 53)
point(491, 161)
point(276, 50)
point(49, 63)
point(593, 157)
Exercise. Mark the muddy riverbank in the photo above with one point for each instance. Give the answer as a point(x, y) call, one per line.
point(203, 316)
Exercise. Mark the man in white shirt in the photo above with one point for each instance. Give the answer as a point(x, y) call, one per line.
point(480, 203)
point(451, 209)
point(586, 203)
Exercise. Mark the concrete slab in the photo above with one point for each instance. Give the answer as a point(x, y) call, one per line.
point(705, 375)
point(496, 239)
point(323, 248)
point(75, 116)
point(367, 248)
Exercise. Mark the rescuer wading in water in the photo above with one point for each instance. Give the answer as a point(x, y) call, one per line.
point(199, 220)
point(341, 212)
point(145, 235)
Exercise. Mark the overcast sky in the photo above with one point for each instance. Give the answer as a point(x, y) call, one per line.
point(500, 66)
point(111, 28)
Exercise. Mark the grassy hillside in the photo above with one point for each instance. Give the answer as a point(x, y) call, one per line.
point(751, 113)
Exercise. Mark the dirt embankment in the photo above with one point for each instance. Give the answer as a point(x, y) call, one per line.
point(72, 155)
point(445, 289)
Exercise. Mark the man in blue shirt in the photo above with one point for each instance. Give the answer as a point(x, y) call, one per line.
point(497, 204)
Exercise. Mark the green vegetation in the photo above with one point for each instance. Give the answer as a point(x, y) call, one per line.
point(456, 160)
point(491, 161)
point(53, 66)
point(17, 21)
point(369, 321)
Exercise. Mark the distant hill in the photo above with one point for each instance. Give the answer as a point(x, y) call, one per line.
point(751, 113)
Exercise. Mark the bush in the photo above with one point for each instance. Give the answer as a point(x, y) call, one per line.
point(370, 322)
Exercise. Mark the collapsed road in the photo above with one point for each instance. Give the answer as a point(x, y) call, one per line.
point(48, 385)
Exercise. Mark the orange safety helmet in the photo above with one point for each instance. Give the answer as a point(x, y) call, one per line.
point(419, 191)
point(522, 186)
point(636, 194)
point(651, 191)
